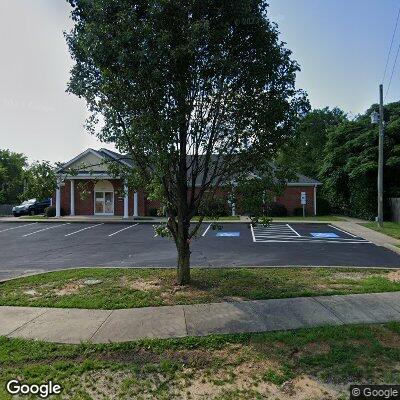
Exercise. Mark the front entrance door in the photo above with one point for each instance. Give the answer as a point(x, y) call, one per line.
point(104, 203)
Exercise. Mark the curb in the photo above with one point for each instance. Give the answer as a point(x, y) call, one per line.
point(392, 247)
point(146, 221)
point(202, 267)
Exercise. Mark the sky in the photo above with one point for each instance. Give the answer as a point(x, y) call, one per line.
point(341, 46)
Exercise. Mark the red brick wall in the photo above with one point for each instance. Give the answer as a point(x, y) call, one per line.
point(118, 196)
point(291, 198)
point(65, 197)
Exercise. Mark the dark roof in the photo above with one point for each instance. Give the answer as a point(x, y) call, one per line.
point(127, 160)
point(302, 179)
point(114, 156)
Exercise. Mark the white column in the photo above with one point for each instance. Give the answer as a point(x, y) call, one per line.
point(126, 201)
point(58, 201)
point(315, 200)
point(72, 204)
point(135, 204)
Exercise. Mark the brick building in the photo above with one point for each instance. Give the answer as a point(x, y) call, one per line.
point(92, 190)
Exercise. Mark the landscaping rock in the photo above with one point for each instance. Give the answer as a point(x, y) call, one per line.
point(90, 282)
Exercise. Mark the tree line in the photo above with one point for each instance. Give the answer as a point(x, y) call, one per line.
point(21, 181)
point(342, 153)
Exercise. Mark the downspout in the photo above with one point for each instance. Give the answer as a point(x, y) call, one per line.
point(315, 200)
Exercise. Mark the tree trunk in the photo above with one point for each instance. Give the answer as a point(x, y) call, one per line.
point(183, 261)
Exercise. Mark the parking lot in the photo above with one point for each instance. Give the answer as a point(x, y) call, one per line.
point(27, 247)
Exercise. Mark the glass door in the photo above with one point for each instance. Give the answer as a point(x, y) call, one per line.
point(108, 203)
point(99, 203)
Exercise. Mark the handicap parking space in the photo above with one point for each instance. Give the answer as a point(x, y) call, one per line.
point(297, 232)
point(226, 231)
point(323, 231)
point(28, 247)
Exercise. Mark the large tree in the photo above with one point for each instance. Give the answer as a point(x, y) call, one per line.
point(11, 176)
point(40, 181)
point(305, 150)
point(350, 164)
point(172, 78)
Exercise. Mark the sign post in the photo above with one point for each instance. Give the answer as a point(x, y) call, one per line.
point(303, 200)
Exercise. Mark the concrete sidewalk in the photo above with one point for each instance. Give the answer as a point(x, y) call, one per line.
point(375, 237)
point(102, 326)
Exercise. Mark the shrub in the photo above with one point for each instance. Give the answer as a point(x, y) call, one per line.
point(153, 212)
point(298, 211)
point(215, 208)
point(51, 211)
point(323, 206)
point(277, 210)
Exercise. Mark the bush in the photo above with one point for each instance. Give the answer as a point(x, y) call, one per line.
point(298, 211)
point(323, 206)
point(277, 210)
point(215, 208)
point(153, 212)
point(51, 211)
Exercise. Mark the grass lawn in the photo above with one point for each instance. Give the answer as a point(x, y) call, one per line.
point(34, 217)
point(226, 218)
point(317, 363)
point(389, 228)
point(126, 288)
point(316, 218)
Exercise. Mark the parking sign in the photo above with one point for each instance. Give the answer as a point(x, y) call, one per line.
point(303, 198)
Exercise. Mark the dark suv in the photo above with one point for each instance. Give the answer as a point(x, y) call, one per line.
point(31, 207)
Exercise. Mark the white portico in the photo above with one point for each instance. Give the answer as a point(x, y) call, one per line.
point(86, 187)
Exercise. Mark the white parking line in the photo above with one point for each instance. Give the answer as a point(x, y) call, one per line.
point(123, 229)
point(310, 240)
point(341, 230)
point(252, 232)
point(286, 234)
point(16, 227)
point(208, 227)
point(84, 229)
point(45, 229)
point(292, 229)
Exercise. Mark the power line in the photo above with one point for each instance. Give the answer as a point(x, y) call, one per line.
point(391, 45)
point(394, 66)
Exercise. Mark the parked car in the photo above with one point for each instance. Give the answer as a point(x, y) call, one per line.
point(31, 207)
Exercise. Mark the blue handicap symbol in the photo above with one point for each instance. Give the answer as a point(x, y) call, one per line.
point(324, 235)
point(228, 234)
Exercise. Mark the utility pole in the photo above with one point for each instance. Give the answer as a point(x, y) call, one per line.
point(380, 158)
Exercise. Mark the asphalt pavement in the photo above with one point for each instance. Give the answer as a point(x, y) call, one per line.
point(28, 247)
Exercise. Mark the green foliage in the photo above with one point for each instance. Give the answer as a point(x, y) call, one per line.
point(40, 181)
point(11, 176)
point(51, 211)
point(349, 167)
point(161, 230)
point(84, 188)
point(214, 208)
point(303, 152)
point(298, 211)
point(256, 194)
point(172, 78)
point(277, 210)
point(153, 212)
point(278, 376)
point(119, 289)
point(263, 220)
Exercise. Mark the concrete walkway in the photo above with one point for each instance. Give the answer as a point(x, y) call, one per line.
point(102, 326)
point(375, 237)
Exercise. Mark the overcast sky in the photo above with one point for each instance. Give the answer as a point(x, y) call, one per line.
point(341, 46)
